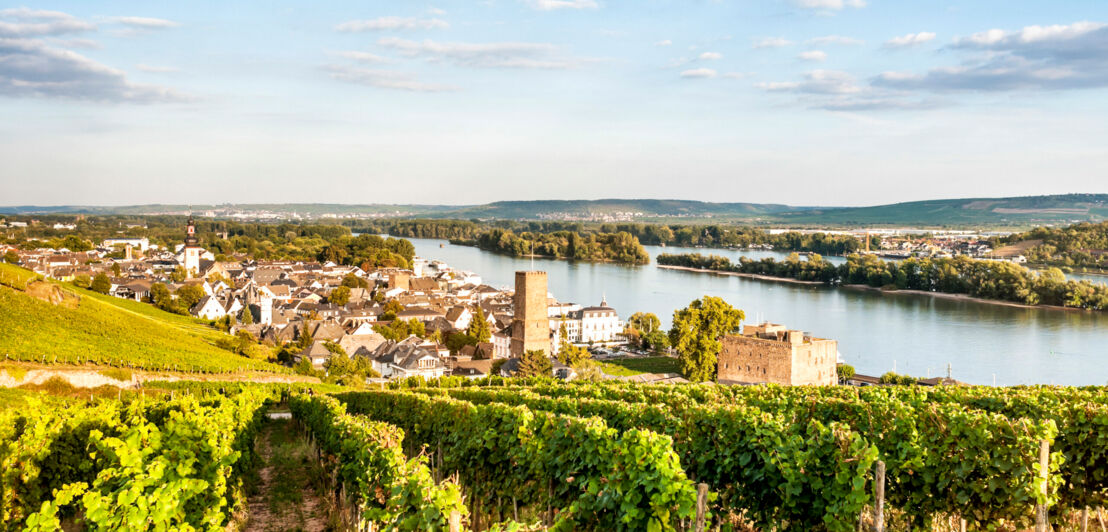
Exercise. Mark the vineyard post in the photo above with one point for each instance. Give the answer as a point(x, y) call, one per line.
point(549, 502)
point(455, 521)
point(879, 498)
point(1085, 519)
point(1100, 519)
point(1041, 516)
point(701, 505)
point(961, 525)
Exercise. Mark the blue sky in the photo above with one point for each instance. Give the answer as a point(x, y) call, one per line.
point(804, 102)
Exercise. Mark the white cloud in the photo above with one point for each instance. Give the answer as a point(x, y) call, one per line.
point(666, 42)
point(711, 55)
point(835, 5)
point(551, 5)
point(392, 23)
point(362, 57)
point(31, 68)
point(155, 69)
point(26, 22)
point(735, 75)
point(1059, 57)
point(817, 82)
point(812, 55)
point(384, 79)
point(912, 39)
point(835, 39)
point(436, 11)
point(699, 73)
point(772, 42)
point(145, 23)
point(484, 55)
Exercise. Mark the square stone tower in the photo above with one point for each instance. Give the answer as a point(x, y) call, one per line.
point(530, 322)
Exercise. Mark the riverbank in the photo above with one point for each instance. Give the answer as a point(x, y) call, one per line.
point(740, 274)
point(959, 297)
point(471, 244)
point(867, 288)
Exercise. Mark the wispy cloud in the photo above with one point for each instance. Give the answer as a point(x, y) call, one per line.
point(699, 73)
point(484, 55)
point(910, 40)
point(551, 5)
point(835, 39)
point(812, 55)
point(155, 69)
point(834, 5)
point(362, 57)
point(26, 22)
point(772, 42)
point(391, 23)
point(384, 79)
point(1058, 57)
point(708, 56)
point(665, 42)
point(145, 23)
point(31, 68)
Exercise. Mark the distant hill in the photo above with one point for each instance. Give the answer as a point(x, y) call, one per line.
point(1017, 211)
point(647, 207)
point(104, 328)
point(1001, 212)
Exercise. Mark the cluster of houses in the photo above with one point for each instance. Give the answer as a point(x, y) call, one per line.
point(280, 301)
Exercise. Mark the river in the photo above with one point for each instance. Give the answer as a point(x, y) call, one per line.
point(918, 335)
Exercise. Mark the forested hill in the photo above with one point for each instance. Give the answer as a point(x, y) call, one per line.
point(1017, 212)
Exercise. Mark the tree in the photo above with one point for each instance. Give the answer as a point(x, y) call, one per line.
point(845, 372)
point(353, 281)
point(116, 271)
point(11, 257)
point(179, 275)
point(189, 295)
point(159, 295)
point(101, 284)
point(696, 332)
point(340, 295)
point(82, 281)
point(391, 309)
point(247, 316)
point(305, 340)
point(645, 322)
point(479, 327)
point(534, 363)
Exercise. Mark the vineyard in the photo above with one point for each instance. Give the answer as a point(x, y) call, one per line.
point(108, 331)
point(509, 455)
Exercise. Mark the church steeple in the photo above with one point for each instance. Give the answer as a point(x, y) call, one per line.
point(190, 234)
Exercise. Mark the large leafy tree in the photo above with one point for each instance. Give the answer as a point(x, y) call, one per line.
point(479, 327)
point(340, 295)
point(696, 332)
point(534, 363)
point(101, 284)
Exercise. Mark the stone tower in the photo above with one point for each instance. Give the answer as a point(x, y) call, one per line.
point(530, 322)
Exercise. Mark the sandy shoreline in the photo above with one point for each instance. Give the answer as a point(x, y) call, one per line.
point(867, 288)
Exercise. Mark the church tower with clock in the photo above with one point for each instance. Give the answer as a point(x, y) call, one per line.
point(192, 250)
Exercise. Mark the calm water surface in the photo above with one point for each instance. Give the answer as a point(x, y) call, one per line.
point(920, 335)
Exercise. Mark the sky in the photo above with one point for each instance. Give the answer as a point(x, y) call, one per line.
point(801, 102)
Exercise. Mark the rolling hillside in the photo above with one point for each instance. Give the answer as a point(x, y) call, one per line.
point(1014, 212)
point(105, 330)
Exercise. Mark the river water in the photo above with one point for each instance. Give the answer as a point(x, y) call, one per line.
point(918, 335)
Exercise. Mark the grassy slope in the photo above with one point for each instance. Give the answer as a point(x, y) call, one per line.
point(623, 367)
point(108, 328)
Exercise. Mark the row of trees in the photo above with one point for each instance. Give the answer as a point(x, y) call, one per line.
point(617, 247)
point(1083, 245)
point(711, 235)
point(986, 279)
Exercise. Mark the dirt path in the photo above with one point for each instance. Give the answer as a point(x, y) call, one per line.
point(286, 493)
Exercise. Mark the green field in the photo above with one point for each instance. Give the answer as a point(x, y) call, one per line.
point(625, 367)
point(108, 330)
